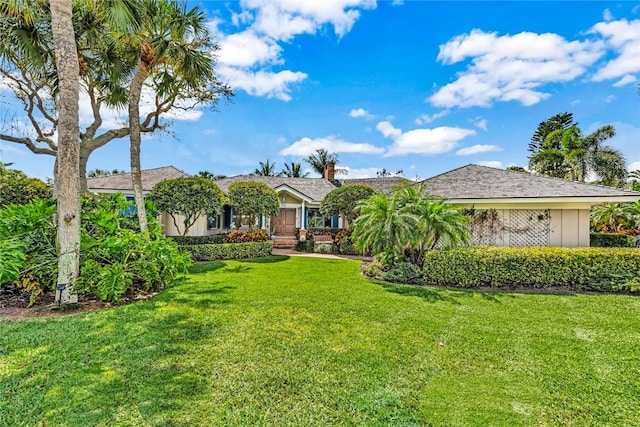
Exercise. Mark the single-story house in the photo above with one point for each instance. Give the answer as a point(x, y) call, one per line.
point(521, 209)
point(509, 208)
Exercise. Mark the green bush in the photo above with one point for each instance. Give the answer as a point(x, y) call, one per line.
point(238, 236)
point(324, 248)
point(199, 240)
point(304, 246)
point(114, 257)
point(213, 252)
point(611, 240)
point(580, 269)
point(404, 272)
point(374, 270)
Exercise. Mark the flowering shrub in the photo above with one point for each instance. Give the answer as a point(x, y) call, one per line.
point(237, 236)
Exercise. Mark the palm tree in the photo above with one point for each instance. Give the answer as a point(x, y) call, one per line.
point(210, 175)
point(321, 158)
point(266, 169)
point(566, 153)
point(68, 158)
point(633, 180)
point(293, 170)
point(173, 46)
point(439, 222)
point(609, 218)
point(384, 226)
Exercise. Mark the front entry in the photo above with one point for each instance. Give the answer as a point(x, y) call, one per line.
point(284, 223)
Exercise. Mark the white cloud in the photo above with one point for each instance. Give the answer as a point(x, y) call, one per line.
point(624, 38)
point(244, 55)
point(360, 173)
point(361, 112)
point(481, 123)
point(286, 16)
point(477, 149)
point(491, 164)
point(511, 67)
point(609, 99)
point(422, 141)
point(306, 146)
point(263, 83)
point(634, 166)
point(575, 102)
point(607, 15)
point(397, 2)
point(628, 79)
point(428, 118)
point(210, 131)
point(246, 49)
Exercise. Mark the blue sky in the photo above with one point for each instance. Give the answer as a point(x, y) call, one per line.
point(418, 86)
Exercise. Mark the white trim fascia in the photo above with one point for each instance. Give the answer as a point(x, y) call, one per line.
point(284, 187)
point(595, 200)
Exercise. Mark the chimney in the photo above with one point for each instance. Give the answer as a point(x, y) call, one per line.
point(330, 171)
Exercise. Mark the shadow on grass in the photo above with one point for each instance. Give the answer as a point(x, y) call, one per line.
point(203, 267)
point(265, 260)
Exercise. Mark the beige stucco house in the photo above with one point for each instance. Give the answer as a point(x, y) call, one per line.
point(509, 208)
point(520, 209)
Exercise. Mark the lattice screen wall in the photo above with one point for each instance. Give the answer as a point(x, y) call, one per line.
point(514, 227)
point(529, 227)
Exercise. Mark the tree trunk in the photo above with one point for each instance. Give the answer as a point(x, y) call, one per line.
point(136, 140)
point(84, 158)
point(68, 150)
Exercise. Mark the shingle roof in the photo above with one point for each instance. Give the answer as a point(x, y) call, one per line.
point(385, 185)
point(314, 188)
point(481, 182)
point(122, 181)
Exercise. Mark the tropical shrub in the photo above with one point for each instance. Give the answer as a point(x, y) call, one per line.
point(304, 246)
point(407, 224)
point(114, 259)
point(253, 199)
point(324, 248)
point(612, 240)
point(189, 197)
point(343, 200)
point(579, 269)
point(16, 188)
point(404, 272)
point(374, 270)
point(199, 240)
point(237, 236)
point(213, 252)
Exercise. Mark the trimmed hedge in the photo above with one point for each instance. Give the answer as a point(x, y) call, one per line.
point(610, 240)
point(580, 269)
point(215, 252)
point(199, 240)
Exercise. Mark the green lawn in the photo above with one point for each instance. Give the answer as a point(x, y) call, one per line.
point(301, 341)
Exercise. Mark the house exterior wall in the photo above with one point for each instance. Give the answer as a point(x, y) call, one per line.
point(559, 225)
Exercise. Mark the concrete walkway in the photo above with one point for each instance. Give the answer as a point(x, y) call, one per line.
point(291, 252)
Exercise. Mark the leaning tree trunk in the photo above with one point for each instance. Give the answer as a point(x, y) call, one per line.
point(68, 151)
point(135, 138)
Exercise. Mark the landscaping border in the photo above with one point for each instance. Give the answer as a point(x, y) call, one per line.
point(224, 251)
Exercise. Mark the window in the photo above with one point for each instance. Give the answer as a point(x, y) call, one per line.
point(132, 209)
point(316, 220)
point(213, 222)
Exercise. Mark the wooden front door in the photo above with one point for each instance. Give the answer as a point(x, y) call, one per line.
point(284, 223)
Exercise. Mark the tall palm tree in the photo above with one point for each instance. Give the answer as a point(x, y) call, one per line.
point(28, 64)
point(173, 46)
point(293, 170)
point(266, 169)
point(68, 158)
point(566, 153)
point(321, 158)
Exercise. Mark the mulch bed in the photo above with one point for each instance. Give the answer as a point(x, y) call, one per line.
point(14, 304)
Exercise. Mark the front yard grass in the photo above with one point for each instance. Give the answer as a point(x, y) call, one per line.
point(303, 341)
